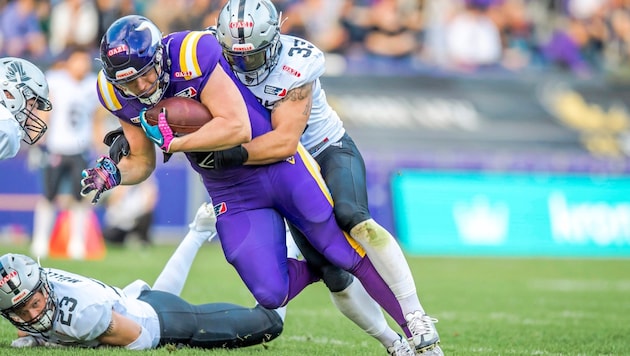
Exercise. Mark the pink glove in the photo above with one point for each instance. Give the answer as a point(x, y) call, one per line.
point(161, 134)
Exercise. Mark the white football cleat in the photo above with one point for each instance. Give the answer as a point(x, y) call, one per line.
point(425, 336)
point(400, 348)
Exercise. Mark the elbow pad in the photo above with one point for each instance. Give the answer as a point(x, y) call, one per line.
point(143, 342)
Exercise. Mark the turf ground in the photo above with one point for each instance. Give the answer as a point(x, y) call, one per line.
point(486, 306)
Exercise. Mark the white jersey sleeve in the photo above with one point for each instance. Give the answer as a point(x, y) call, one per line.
point(299, 63)
point(10, 134)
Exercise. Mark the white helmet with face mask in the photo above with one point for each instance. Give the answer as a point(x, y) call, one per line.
point(249, 33)
point(21, 81)
point(21, 278)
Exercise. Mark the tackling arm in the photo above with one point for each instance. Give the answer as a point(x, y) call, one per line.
point(230, 125)
point(289, 117)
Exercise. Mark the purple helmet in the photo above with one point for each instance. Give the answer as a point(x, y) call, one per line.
point(130, 48)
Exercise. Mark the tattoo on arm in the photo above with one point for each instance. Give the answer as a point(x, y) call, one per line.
point(297, 94)
point(110, 328)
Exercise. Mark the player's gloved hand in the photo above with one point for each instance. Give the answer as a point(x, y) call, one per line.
point(117, 143)
point(232, 157)
point(206, 218)
point(32, 341)
point(104, 176)
point(28, 341)
point(161, 134)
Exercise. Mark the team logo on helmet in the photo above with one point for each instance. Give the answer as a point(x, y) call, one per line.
point(16, 73)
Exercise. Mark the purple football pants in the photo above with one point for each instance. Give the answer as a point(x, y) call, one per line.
point(252, 202)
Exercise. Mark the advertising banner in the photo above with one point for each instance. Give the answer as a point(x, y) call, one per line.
point(512, 214)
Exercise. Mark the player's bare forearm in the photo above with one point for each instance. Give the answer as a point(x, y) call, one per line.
point(218, 134)
point(121, 331)
point(230, 125)
point(140, 163)
point(289, 117)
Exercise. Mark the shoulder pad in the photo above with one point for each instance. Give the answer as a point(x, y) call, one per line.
point(107, 93)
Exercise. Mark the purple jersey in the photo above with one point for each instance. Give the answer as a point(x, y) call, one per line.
point(251, 201)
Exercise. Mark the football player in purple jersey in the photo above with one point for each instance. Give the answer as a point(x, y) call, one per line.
point(140, 67)
point(283, 72)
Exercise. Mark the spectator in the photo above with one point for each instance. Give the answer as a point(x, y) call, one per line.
point(67, 146)
point(564, 48)
point(618, 47)
point(472, 38)
point(394, 32)
point(164, 19)
point(22, 35)
point(110, 10)
point(73, 23)
point(200, 14)
point(319, 21)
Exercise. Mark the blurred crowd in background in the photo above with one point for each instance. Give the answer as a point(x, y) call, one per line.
point(581, 37)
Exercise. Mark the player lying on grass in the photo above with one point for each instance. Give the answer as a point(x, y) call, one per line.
point(52, 307)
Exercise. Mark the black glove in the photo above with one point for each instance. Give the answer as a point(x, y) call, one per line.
point(232, 157)
point(117, 143)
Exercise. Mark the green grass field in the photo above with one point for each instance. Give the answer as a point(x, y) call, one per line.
point(486, 306)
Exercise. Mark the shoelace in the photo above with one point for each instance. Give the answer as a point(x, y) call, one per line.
point(422, 325)
point(400, 349)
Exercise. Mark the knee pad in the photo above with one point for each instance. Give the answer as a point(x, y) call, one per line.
point(335, 278)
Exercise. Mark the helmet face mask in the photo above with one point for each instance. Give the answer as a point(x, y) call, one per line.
point(23, 89)
point(130, 48)
point(248, 61)
point(24, 287)
point(249, 34)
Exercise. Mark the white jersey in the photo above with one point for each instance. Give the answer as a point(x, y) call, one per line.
point(84, 310)
point(10, 134)
point(71, 123)
point(300, 62)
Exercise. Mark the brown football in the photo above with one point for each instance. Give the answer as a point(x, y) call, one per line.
point(184, 115)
